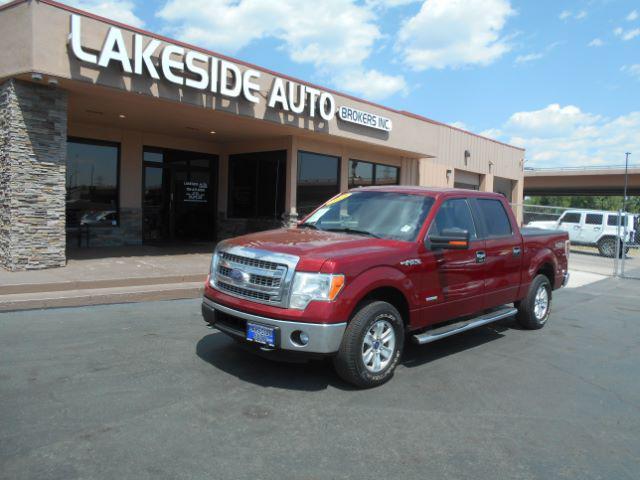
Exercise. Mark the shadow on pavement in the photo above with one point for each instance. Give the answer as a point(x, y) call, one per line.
point(223, 353)
point(418, 355)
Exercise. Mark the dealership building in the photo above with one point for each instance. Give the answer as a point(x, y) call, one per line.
point(113, 136)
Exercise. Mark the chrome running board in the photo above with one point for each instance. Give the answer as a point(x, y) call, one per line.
point(453, 328)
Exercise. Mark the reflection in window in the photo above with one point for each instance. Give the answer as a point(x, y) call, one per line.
point(257, 183)
point(362, 174)
point(92, 183)
point(318, 180)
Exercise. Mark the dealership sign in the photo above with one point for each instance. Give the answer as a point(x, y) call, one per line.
point(366, 119)
point(203, 72)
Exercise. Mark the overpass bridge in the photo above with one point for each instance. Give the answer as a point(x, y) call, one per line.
point(596, 180)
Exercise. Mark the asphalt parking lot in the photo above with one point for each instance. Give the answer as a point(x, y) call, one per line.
point(146, 391)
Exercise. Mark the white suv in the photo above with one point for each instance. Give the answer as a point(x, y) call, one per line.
point(596, 228)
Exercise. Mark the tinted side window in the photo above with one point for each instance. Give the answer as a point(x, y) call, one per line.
point(454, 214)
point(495, 218)
point(612, 221)
point(593, 219)
point(571, 218)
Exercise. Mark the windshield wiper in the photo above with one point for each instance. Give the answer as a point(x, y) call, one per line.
point(354, 231)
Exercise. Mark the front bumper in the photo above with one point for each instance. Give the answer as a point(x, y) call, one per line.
point(323, 337)
point(565, 279)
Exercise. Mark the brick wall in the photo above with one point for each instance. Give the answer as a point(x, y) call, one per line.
point(33, 143)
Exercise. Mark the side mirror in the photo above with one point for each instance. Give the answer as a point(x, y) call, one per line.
point(450, 239)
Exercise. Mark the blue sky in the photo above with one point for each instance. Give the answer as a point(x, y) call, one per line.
point(560, 78)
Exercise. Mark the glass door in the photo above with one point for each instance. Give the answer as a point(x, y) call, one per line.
point(179, 192)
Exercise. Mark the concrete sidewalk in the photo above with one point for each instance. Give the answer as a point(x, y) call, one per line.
point(95, 276)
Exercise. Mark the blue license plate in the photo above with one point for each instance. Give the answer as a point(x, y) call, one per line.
point(261, 334)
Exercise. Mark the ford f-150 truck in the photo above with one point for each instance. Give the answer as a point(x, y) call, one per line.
point(375, 265)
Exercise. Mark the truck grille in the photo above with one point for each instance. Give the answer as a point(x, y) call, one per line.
point(251, 278)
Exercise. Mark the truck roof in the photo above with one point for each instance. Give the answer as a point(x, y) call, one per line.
point(427, 191)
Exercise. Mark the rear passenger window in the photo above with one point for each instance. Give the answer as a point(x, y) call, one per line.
point(454, 214)
point(594, 219)
point(570, 218)
point(612, 221)
point(495, 217)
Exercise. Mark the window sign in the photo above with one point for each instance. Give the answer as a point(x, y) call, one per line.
point(195, 192)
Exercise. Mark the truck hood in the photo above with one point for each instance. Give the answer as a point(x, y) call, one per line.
point(315, 247)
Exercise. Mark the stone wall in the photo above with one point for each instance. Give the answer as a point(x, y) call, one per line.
point(33, 144)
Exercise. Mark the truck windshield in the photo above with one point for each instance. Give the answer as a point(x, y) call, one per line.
point(390, 215)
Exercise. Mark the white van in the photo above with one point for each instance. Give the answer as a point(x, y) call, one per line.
point(596, 228)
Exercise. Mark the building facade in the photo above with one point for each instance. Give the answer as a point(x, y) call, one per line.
point(114, 136)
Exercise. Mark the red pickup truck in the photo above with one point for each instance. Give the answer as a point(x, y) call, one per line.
point(378, 264)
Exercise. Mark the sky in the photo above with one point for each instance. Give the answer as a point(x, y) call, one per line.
point(559, 78)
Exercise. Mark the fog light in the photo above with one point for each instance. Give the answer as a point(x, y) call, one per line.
point(299, 338)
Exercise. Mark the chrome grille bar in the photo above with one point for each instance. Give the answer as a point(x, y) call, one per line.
point(253, 274)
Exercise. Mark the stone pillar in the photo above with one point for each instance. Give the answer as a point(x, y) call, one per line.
point(33, 150)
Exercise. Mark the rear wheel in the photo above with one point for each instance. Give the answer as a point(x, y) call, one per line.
point(607, 247)
point(372, 345)
point(534, 310)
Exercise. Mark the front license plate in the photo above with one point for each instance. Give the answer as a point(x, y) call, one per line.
point(261, 334)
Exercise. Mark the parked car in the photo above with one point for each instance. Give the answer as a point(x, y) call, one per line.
point(595, 228)
point(377, 264)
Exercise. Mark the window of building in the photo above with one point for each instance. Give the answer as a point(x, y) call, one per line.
point(594, 219)
point(572, 217)
point(92, 183)
point(495, 218)
point(362, 174)
point(318, 180)
point(257, 183)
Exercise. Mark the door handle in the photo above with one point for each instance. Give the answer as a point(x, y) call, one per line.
point(517, 251)
point(576, 227)
point(481, 256)
point(597, 229)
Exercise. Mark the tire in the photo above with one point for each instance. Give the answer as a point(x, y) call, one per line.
point(531, 313)
point(356, 359)
point(607, 247)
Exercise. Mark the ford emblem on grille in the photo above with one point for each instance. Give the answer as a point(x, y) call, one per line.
point(239, 275)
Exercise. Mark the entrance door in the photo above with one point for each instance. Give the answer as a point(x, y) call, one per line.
point(179, 192)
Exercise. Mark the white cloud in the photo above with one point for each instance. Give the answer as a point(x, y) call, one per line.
point(626, 34)
point(374, 84)
point(566, 136)
point(460, 125)
point(335, 36)
point(596, 42)
point(118, 10)
point(455, 33)
point(389, 3)
point(633, 70)
point(567, 14)
point(564, 14)
point(633, 15)
point(529, 57)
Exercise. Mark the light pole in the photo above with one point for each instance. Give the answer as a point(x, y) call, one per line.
point(623, 254)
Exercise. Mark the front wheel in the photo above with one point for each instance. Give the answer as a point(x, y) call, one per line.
point(372, 345)
point(534, 309)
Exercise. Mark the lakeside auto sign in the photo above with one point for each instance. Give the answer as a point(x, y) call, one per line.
point(203, 72)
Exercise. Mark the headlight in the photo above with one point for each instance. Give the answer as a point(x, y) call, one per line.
point(308, 287)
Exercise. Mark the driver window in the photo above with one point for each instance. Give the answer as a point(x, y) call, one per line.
point(454, 214)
